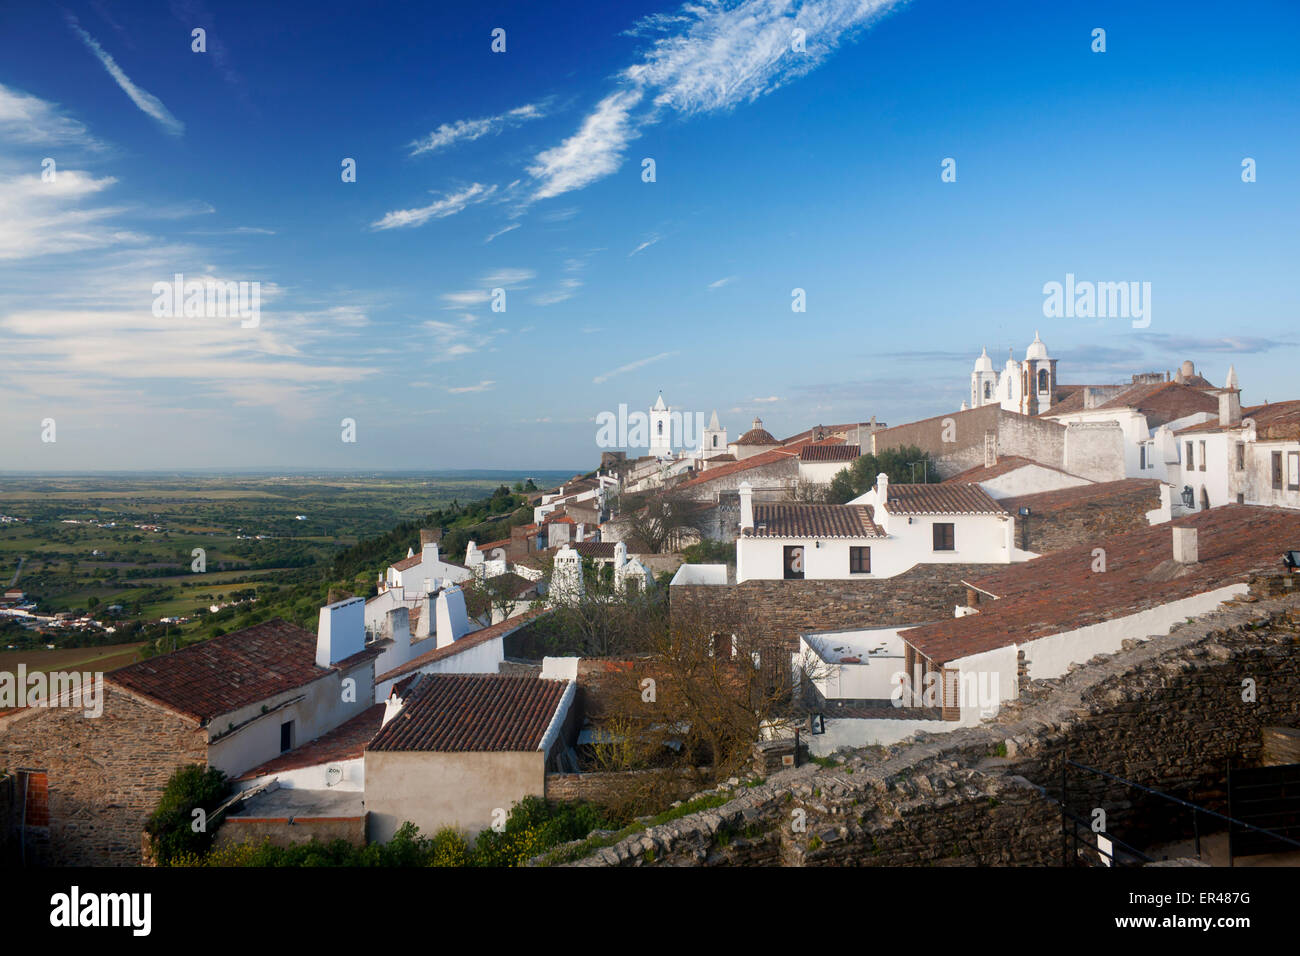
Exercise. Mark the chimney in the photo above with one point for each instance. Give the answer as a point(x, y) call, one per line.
point(429, 553)
point(430, 536)
point(1229, 408)
point(746, 505)
point(397, 625)
point(340, 631)
point(424, 626)
point(1185, 545)
point(453, 620)
point(882, 488)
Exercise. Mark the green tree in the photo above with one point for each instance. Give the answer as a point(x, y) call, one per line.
point(903, 465)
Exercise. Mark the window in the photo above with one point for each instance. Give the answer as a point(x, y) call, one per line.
point(1142, 456)
point(1189, 461)
point(1293, 470)
point(1202, 456)
point(793, 562)
point(1241, 498)
point(1042, 379)
point(1205, 499)
point(859, 560)
point(715, 441)
point(286, 736)
point(988, 390)
point(1277, 471)
point(36, 796)
point(943, 537)
point(1241, 456)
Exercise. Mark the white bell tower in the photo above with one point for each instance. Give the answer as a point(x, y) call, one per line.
point(661, 429)
point(714, 440)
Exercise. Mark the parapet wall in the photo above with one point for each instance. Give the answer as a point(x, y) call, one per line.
point(1168, 712)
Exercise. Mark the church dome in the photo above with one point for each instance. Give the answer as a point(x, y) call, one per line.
point(1037, 350)
point(984, 363)
point(758, 435)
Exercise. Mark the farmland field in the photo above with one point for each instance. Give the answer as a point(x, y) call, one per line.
point(126, 548)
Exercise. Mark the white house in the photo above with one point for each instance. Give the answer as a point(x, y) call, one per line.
point(1249, 456)
point(888, 530)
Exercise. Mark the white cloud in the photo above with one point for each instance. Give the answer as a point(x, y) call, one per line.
point(39, 218)
point(469, 130)
point(449, 205)
point(501, 232)
point(593, 152)
point(508, 277)
point(721, 282)
point(482, 386)
point(30, 120)
point(149, 104)
point(645, 245)
point(605, 377)
point(710, 56)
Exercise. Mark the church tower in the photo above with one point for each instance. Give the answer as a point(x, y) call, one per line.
point(983, 382)
point(661, 429)
point(714, 440)
point(1038, 383)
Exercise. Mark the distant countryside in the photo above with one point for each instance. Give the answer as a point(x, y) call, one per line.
point(100, 569)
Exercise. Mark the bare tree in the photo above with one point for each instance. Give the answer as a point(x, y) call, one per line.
point(660, 521)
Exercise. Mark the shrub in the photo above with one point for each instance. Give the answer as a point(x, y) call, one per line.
point(172, 824)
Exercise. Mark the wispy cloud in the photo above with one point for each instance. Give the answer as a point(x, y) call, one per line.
point(449, 205)
point(605, 377)
point(466, 131)
point(721, 282)
point(30, 120)
point(502, 232)
point(483, 386)
point(707, 57)
point(644, 245)
point(149, 104)
point(508, 277)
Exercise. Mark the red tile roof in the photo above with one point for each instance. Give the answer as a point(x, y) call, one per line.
point(1060, 592)
point(471, 640)
point(473, 712)
point(1160, 402)
point(787, 453)
point(940, 499)
point(830, 452)
point(790, 520)
point(1275, 421)
point(1061, 499)
point(407, 563)
point(344, 742)
point(1004, 465)
point(226, 673)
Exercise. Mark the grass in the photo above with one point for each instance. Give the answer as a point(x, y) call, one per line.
point(591, 844)
point(106, 658)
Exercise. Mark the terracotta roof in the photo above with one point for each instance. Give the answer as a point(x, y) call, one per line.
point(1061, 499)
point(469, 641)
point(745, 464)
point(407, 563)
point(487, 546)
point(831, 431)
point(1160, 402)
point(824, 451)
point(1060, 592)
point(940, 499)
point(226, 673)
point(756, 436)
point(1004, 465)
point(594, 549)
point(344, 742)
point(790, 520)
point(1279, 420)
point(473, 712)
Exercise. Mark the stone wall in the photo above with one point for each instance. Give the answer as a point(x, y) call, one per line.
point(1037, 439)
point(1095, 450)
point(104, 774)
point(1167, 712)
point(1085, 521)
point(927, 592)
point(287, 832)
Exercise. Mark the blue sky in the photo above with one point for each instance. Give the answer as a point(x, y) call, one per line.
point(522, 170)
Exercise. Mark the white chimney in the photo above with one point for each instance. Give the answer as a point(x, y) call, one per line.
point(397, 624)
point(1185, 546)
point(1229, 408)
point(424, 627)
point(746, 505)
point(429, 555)
point(882, 488)
point(340, 631)
point(453, 619)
